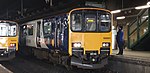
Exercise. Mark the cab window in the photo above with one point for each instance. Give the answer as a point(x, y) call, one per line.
point(90, 22)
point(104, 22)
point(76, 22)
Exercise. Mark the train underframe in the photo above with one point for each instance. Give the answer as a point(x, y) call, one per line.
point(91, 60)
point(7, 54)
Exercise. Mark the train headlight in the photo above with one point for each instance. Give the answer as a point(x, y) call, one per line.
point(12, 44)
point(76, 45)
point(106, 44)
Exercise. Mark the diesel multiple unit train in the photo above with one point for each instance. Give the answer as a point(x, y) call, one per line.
point(8, 39)
point(80, 37)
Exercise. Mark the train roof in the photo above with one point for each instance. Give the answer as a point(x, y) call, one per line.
point(8, 21)
point(64, 11)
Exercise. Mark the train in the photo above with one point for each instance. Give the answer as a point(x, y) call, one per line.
point(79, 37)
point(8, 39)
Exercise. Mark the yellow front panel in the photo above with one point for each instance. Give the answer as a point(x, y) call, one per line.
point(6, 41)
point(14, 40)
point(92, 41)
point(89, 41)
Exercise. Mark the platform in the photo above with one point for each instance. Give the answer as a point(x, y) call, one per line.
point(134, 55)
point(130, 61)
point(4, 70)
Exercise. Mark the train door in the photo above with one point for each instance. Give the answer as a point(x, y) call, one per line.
point(38, 34)
point(57, 32)
point(64, 35)
point(47, 33)
point(23, 34)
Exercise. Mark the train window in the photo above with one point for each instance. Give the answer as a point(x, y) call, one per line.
point(24, 30)
point(30, 29)
point(12, 30)
point(90, 22)
point(104, 23)
point(65, 23)
point(47, 27)
point(7, 29)
point(3, 30)
point(76, 22)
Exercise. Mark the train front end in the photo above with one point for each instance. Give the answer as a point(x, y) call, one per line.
point(8, 40)
point(89, 37)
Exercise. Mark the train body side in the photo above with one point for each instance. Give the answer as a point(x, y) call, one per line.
point(32, 34)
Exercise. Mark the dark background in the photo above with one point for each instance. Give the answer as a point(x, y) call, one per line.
point(11, 9)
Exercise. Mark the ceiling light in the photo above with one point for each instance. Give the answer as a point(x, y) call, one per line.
point(148, 3)
point(128, 23)
point(142, 7)
point(144, 17)
point(115, 11)
point(122, 17)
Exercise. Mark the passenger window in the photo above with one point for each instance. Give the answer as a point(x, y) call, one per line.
point(24, 30)
point(12, 30)
point(47, 28)
point(30, 29)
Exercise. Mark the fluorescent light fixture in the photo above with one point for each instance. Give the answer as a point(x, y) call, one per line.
point(144, 17)
point(142, 7)
point(148, 3)
point(128, 23)
point(119, 18)
point(115, 11)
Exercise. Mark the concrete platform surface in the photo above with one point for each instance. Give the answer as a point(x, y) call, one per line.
point(135, 55)
point(4, 70)
point(130, 62)
point(128, 52)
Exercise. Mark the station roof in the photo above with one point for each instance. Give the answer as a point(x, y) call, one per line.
point(12, 9)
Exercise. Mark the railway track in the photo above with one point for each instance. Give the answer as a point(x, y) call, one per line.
point(27, 64)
